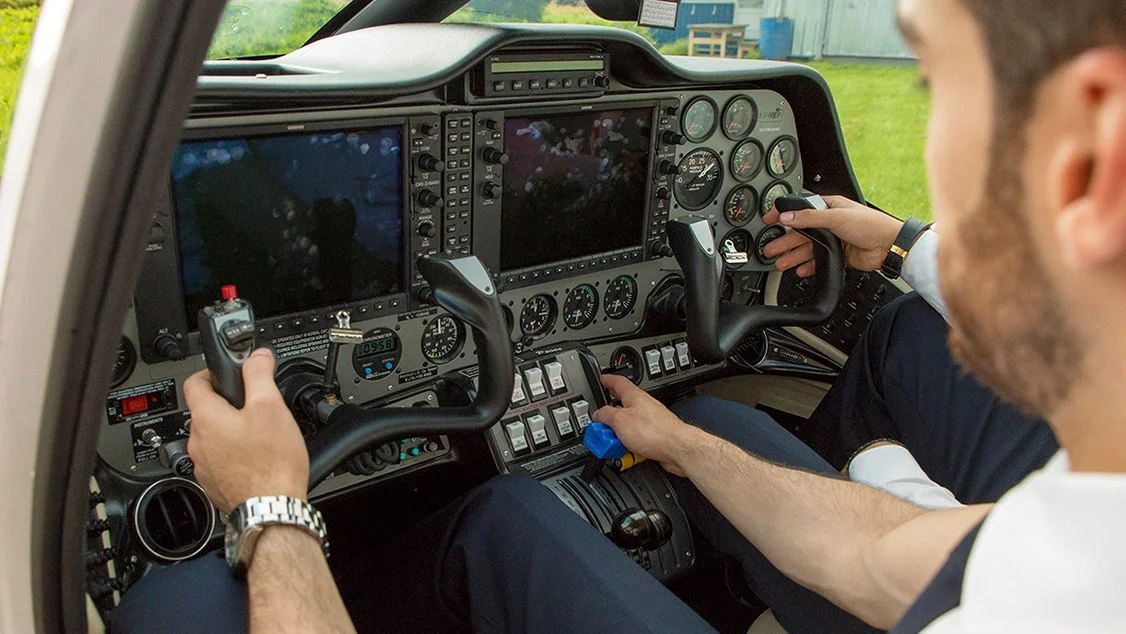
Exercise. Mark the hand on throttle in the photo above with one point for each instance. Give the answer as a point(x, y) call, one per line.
point(867, 235)
point(643, 424)
point(242, 453)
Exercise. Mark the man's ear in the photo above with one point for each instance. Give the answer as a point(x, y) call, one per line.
point(1089, 167)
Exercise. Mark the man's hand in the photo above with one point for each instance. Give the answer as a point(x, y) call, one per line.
point(255, 451)
point(867, 235)
point(644, 426)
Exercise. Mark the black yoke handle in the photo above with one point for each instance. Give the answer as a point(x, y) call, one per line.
point(714, 330)
point(463, 287)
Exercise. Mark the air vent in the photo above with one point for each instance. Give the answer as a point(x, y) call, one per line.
point(174, 519)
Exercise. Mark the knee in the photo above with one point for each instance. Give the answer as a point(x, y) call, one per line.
point(511, 491)
point(907, 316)
point(715, 415)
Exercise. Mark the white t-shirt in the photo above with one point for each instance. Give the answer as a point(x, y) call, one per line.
point(1050, 557)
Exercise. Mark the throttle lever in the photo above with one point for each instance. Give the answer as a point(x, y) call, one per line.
point(715, 330)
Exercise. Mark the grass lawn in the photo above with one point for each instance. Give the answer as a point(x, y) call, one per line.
point(884, 116)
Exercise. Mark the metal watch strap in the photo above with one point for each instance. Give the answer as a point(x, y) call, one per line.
point(257, 513)
point(912, 230)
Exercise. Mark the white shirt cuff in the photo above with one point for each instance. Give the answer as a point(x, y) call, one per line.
point(920, 271)
point(891, 468)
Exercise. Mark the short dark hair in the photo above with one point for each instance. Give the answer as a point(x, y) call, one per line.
point(1028, 40)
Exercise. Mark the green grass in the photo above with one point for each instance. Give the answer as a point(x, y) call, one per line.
point(883, 114)
point(16, 26)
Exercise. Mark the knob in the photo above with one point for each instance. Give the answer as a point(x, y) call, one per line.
point(489, 189)
point(663, 193)
point(491, 124)
point(426, 229)
point(429, 163)
point(428, 129)
point(494, 156)
point(602, 81)
point(661, 248)
point(634, 528)
point(672, 110)
point(425, 295)
point(174, 455)
point(427, 198)
point(167, 347)
point(668, 167)
point(151, 438)
point(672, 138)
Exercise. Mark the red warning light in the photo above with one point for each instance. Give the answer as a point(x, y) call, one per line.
point(229, 292)
point(134, 405)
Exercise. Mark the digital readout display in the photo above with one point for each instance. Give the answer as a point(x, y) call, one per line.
point(376, 346)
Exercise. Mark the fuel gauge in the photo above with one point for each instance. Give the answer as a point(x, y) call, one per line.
point(783, 157)
point(742, 205)
point(627, 362)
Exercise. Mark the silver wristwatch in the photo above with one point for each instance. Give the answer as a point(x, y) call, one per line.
point(246, 521)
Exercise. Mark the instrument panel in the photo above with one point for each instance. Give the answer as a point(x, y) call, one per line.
point(565, 200)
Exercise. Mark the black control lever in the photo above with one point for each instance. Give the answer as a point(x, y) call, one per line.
point(464, 288)
point(715, 330)
point(227, 330)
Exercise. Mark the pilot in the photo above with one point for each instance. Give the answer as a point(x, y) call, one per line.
point(1033, 272)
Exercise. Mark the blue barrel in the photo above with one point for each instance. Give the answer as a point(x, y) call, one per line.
point(776, 38)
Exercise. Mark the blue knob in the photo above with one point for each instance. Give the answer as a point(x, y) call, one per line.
point(602, 442)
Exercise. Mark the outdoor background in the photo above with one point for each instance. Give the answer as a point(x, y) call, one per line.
point(883, 111)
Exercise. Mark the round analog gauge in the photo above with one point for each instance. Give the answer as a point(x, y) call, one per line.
point(621, 295)
point(768, 235)
point(742, 205)
point(746, 160)
point(377, 355)
point(581, 307)
point(443, 339)
point(783, 157)
point(698, 179)
point(699, 120)
point(538, 316)
point(739, 118)
point(773, 193)
point(125, 362)
point(738, 241)
point(627, 362)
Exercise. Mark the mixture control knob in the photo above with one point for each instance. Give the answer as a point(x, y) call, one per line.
point(494, 156)
point(489, 189)
point(429, 163)
point(427, 198)
point(426, 229)
point(174, 455)
point(428, 129)
point(634, 528)
point(167, 347)
point(668, 168)
point(661, 248)
point(672, 138)
point(663, 193)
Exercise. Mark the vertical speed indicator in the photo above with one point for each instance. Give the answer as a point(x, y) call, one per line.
point(581, 307)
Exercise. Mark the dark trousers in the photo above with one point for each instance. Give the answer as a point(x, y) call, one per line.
point(902, 384)
point(509, 557)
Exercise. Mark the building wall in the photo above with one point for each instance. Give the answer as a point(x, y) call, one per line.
point(842, 28)
point(697, 12)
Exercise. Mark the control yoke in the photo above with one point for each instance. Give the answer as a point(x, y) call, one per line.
point(463, 287)
point(714, 330)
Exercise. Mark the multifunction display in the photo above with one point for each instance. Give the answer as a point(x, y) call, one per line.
point(295, 221)
point(575, 185)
